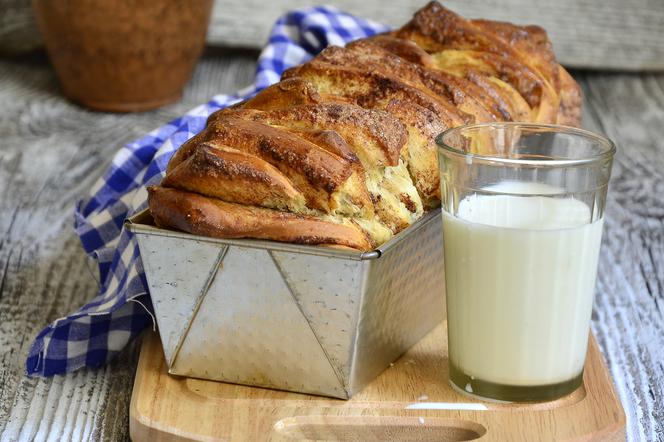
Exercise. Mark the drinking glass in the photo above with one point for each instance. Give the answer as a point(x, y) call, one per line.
point(522, 208)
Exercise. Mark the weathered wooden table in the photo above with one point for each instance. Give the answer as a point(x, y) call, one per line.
point(52, 151)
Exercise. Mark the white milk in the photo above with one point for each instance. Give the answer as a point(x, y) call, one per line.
point(520, 277)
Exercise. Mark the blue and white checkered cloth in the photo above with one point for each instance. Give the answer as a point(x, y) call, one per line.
point(99, 330)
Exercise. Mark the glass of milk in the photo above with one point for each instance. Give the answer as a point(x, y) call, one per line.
point(523, 209)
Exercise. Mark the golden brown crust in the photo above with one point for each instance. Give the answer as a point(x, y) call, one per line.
point(378, 131)
point(290, 154)
point(235, 176)
point(330, 141)
point(570, 100)
point(462, 93)
point(201, 215)
point(503, 93)
point(538, 93)
point(184, 151)
point(530, 42)
point(315, 172)
point(376, 137)
point(400, 47)
point(409, 51)
point(369, 89)
point(423, 127)
point(515, 54)
point(344, 145)
point(286, 93)
point(435, 28)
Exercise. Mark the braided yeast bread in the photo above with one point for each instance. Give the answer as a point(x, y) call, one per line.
point(342, 150)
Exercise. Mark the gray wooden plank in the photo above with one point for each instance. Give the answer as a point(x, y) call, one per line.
point(18, 29)
point(51, 151)
point(628, 317)
point(585, 33)
point(610, 34)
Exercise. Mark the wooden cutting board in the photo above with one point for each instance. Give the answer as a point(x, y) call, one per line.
point(411, 401)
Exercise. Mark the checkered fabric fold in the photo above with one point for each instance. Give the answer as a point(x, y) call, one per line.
point(96, 332)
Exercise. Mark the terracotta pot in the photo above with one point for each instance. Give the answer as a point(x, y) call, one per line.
point(123, 55)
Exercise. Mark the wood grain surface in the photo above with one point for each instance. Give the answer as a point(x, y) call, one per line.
point(51, 152)
point(608, 34)
point(169, 408)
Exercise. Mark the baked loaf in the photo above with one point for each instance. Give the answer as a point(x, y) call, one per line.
point(342, 150)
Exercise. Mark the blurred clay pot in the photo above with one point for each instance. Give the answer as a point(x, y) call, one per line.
point(123, 55)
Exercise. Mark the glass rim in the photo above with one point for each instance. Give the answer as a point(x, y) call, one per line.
point(609, 147)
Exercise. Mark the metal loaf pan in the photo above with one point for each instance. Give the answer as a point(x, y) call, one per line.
point(300, 318)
